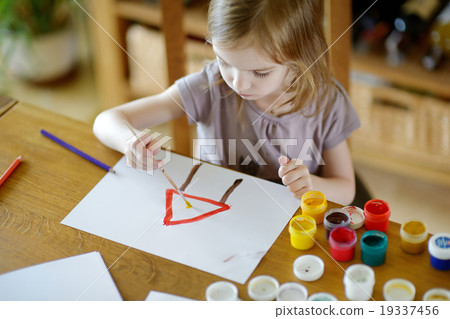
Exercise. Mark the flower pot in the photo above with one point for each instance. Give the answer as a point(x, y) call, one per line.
point(42, 58)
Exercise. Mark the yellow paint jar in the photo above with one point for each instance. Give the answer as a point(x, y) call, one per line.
point(398, 289)
point(314, 204)
point(437, 294)
point(413, 235)
point(302, 229)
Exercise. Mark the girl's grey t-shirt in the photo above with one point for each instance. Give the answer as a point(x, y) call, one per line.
point(251, 141)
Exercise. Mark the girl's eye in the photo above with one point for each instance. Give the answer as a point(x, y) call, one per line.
point(223, 64)
point(261, 75)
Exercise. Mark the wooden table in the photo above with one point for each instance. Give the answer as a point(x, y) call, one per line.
point(6, 103)
point(51, 181)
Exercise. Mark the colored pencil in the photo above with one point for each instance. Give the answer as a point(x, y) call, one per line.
point(10, 169)
point(188, 205)
point(77, 151)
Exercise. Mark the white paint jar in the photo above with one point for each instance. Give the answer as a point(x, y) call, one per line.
point(359, 280)
point(222, 291)
point(292, 291)
point(398, 289)
point(263, 288)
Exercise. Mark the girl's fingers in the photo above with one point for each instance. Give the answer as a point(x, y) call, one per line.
point(287, 165)
point(295, 176)
point(283, 160)
point(300, 186)
point(141, 158)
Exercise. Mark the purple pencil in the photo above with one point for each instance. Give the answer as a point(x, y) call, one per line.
point(77, 151)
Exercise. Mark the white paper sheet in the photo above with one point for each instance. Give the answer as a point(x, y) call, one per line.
point(129, 207)
point(164, 296)
point(82, 277)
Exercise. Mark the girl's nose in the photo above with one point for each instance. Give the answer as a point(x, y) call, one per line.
point(240, 82)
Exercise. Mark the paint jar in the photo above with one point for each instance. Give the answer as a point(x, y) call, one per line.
point(436, 294)
point(399, 290)
point(413, 235)
point(359, 281)
point(322, 296)
point(263, 288)
point(335, 217)
point(308, 267)
point(373, 247)
point(314, 204)
point(342, 243)
point(302, 229)
point(222, 291)
point(292, 291)
point(377, 213)
point(356, 216)
point(439, 249)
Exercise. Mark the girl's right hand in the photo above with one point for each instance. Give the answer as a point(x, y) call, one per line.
point(140, 152)
point(295, 175)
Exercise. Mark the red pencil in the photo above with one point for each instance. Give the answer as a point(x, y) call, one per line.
point(10, 170)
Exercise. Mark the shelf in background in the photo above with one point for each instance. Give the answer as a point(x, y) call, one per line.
point(409, 74)
point(384, 162)
point(195, 21)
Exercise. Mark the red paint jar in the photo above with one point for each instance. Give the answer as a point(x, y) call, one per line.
point(377, 213)
point(342, 243)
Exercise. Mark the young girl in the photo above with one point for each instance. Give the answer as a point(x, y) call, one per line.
point(269, 102)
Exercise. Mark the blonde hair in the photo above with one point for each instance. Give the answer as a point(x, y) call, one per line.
point(290, 32)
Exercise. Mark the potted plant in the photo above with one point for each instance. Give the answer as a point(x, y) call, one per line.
point(37, 38)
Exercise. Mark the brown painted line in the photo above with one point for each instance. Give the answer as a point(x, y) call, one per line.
point(230, 190)
point(190, 176)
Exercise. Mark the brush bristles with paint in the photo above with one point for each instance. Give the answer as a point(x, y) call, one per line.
point(188, 205)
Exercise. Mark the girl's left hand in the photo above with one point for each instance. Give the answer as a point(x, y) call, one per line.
point(295, 175)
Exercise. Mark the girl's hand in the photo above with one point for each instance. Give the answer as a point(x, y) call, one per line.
point(140, 152)
point(295, 175)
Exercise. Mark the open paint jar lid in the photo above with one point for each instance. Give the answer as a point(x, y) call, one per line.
point(322, 296)
point(437, 294)
point(308, 267)
point(356, 216)
point(222, 291)
point(399, 290)
point(292, 291)
point(263, 288)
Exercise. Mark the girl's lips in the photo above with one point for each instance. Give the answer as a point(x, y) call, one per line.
point(245, 95)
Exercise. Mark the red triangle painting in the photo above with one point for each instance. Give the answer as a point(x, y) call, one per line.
point(169, 213)
point(220, 204)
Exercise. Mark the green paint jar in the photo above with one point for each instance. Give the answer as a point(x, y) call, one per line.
point(373, 245)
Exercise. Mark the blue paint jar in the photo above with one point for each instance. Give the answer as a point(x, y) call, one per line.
point(373, 245)
point(439, 249)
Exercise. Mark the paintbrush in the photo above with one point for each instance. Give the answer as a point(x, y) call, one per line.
point(188, 205)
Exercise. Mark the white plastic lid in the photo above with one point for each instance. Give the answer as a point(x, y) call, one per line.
point(292, 291)
point(399, 290)
point(322, 296)
point(356, 216)
point(263, 288)
point(359, 274)
point(221, 291)
point(439, 246)
point(436, 294)
point(308, 267)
